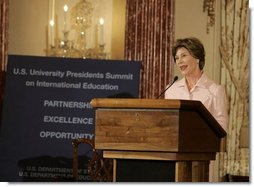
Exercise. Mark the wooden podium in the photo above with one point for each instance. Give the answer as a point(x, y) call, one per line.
point(180, 131)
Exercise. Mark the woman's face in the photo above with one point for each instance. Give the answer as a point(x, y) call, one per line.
point(187, 64)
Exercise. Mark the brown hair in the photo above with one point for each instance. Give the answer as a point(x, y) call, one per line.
point(195, 48)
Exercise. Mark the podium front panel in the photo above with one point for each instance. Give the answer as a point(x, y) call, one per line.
point(137, 129)
point(141, 125)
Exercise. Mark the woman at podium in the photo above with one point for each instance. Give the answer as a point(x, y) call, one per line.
point(189, 57)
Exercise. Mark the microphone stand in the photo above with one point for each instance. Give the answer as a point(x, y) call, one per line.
point(175, 79)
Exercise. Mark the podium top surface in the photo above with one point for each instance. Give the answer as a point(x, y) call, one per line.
point(189, 105)
point(135, 103)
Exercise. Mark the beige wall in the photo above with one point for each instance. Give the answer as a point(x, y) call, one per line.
point(118, 29)
point(27, 27)
point(190, 20)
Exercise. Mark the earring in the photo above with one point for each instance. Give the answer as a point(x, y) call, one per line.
point(197, 61)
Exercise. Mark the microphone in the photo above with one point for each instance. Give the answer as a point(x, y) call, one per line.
point(175, 79)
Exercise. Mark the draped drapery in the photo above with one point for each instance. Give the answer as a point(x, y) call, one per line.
point(148, 38)
point(235, 75)
point(3, 33)
point(3, 45)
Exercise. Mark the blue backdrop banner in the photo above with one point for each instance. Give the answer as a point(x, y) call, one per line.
point(47, 104)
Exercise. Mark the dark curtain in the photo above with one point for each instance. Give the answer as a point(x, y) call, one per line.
point(148, 38)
